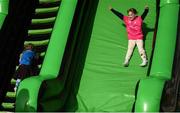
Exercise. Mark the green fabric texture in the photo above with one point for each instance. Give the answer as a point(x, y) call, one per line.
point(105, 84)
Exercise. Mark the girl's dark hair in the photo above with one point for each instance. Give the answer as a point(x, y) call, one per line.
point(132, 10)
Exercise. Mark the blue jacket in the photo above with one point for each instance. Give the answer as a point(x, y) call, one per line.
point(27, 57)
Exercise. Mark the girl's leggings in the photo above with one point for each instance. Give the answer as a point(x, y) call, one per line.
point(140, 45)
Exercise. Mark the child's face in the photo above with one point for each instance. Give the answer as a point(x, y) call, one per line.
point(131, 15)
point(29, 47)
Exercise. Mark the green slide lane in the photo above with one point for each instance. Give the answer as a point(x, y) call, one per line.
point(105, 84)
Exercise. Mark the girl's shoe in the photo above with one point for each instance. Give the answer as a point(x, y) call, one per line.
point(144, 63)
point(126, 63)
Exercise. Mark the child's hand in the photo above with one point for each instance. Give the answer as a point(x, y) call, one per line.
point(110, 7)
point(146, 7)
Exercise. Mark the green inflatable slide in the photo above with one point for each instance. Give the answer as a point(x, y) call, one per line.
point(104, 84)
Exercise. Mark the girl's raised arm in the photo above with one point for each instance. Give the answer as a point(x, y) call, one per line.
point(146, 10)
point(120, 15)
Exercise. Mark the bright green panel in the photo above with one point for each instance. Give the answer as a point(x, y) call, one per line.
point(105, 84)
point(149, 95)
point(4, 5)
point(162, 59)
point(166, 41)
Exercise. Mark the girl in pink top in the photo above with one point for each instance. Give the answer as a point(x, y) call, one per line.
point(135, 35)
